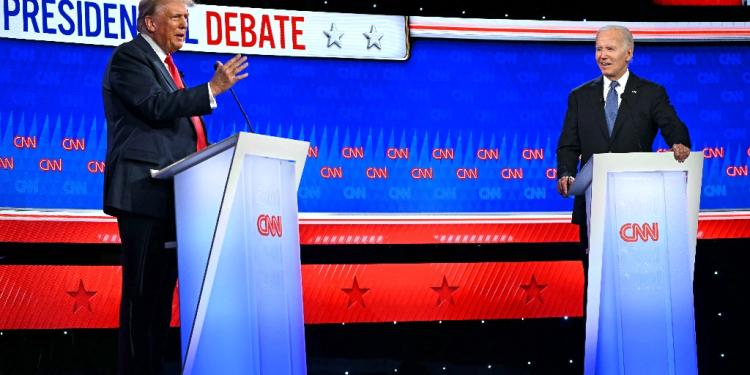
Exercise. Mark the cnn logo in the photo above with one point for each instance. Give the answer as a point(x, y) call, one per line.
point(631, 232)
point(269, 225)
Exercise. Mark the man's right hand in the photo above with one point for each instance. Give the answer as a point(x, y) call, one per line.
point(226, 74)
point(563, 184)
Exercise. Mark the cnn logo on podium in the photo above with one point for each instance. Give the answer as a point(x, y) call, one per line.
point(269, 225)
point(631, 232)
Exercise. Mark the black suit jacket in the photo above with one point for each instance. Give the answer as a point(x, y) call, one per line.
point(148, 127)
point(645, 109)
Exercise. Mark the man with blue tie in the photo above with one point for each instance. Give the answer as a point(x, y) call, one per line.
point(153, 120)
point(616, 112)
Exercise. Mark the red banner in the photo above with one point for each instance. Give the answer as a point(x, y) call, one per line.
point(441, 291)
point(57, 228)
point(65, 297)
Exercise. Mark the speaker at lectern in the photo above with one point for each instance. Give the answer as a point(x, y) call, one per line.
point(643, 220)
point(238, 256)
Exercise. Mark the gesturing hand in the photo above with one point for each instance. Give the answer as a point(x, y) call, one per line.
point(227, 74)
point(681, 152)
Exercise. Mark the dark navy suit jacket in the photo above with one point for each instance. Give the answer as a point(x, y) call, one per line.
point(645, 109)
point(148, 127)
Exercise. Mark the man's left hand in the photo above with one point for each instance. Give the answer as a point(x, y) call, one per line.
point(681, 152)
point(227, 74)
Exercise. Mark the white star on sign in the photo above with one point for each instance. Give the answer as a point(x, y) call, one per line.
point(373, 37)
point(334, 36)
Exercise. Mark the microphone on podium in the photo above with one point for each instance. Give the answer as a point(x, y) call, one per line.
point(216, 67)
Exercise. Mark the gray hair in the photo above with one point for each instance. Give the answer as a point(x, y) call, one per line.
point(149, 8)
point(627, 37)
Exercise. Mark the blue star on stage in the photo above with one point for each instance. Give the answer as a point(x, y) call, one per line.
point(334, 36)
point(373, 37)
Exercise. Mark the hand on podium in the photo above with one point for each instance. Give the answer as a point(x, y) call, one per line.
point(563, 184)
point(681, 152)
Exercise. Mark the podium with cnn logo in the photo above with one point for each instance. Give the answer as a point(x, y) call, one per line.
point(238, 255)
point(643, 221)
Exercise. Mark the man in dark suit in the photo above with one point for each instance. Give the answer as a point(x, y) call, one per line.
point(617, 112)
point(153, 121)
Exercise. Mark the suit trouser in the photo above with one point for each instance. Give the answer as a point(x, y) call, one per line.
point(149, 274)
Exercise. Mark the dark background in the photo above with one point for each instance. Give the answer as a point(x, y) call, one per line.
point(467, 347)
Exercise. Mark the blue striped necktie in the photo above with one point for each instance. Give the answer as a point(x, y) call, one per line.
point(610, 106)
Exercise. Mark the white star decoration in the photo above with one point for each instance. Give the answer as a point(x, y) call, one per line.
point(373, 37)
point(334, 36)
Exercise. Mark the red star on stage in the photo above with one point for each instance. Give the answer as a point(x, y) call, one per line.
point(534, 290)
point(82, 297)
point(355, 294)
point(445, 292)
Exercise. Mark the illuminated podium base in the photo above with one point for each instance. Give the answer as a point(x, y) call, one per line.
point(643, 220)
point(238, 256)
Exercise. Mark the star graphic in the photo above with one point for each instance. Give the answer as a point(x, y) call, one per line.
point(534, 290)
point(355, 294)
point(373, 37)
point(82, 297)
point(334, 36)
point(445, 292)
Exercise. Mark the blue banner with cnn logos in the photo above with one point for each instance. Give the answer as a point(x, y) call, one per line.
point(461, 126)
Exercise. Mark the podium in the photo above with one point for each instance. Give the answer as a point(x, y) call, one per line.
point(238, 255)
point(642, 213)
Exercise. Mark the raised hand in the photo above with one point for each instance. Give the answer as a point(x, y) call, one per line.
point(227, 74)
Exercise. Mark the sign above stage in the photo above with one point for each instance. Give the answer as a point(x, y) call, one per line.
point(573, 31)
point(248, 31)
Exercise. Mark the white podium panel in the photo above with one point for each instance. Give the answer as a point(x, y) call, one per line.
point(197, 204)
point(238, 256)
point(643, 217)
point(646, 323)
point(253, 323)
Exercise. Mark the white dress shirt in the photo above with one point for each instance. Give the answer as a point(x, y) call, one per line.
point(619, 89)
point(163, 56)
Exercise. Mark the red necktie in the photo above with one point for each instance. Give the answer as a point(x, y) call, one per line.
point(196, 121)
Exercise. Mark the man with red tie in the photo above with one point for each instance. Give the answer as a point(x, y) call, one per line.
point(152, 122)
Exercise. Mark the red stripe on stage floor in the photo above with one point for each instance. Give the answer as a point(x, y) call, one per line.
point(426, 230)
point(46, 230)
point(67, 297)
point(441, 291)
point(333, 234)
point(56, 297)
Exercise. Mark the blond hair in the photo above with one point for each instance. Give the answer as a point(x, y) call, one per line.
point(149, 8)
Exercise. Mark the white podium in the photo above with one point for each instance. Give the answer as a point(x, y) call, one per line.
point(643, 221)
point(238, 255)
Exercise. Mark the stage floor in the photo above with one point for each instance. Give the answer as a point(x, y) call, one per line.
point(551, 345)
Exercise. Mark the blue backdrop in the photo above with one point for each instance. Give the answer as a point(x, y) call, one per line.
point(495, 107)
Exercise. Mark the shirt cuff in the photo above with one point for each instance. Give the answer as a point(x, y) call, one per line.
point(211, 97)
